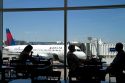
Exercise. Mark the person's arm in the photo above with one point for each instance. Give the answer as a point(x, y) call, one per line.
point(82, 61)
point(76, 59)
point(115, 63)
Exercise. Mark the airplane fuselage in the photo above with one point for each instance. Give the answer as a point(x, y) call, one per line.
point(46, 51)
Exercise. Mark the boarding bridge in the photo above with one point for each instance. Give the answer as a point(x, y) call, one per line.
point(103, 49)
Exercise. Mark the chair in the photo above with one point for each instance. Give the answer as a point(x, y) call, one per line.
point(46, 77)
point(86, 74)
point(14, 58)
point(20, 70)
point(14, 63)
point(23, 71)
point(5, 61)
point(110, 76)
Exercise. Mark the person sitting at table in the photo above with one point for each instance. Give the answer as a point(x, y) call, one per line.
point(118, 64)
point(26, 54)
point(79, 67)
point(25, 58)
point(74, 62)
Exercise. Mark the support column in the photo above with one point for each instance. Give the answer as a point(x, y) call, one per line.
point(65, 40)
point(1, 24)
point(1, 31)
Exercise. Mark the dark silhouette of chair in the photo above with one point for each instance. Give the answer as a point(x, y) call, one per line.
point(14, 63)
point(20, 70)
point(87, 74)
point(5, 61)
point(14, 58)
point(110, 76)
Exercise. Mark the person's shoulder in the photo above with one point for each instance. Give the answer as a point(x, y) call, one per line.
point(69, 53)
point(122, 53)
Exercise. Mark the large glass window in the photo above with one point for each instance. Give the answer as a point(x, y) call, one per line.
point(88, 23)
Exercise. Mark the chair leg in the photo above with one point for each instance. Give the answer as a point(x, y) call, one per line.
point(109, 79)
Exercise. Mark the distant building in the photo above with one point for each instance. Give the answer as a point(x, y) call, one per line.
point(20, 42)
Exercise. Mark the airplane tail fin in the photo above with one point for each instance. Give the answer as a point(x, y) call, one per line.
point(10, 40)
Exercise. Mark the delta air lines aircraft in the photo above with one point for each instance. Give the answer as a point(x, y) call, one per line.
point(46, 51)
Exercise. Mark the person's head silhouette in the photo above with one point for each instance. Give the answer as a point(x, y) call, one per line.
point(119, 47)
point(71, 48)
point(28, 48)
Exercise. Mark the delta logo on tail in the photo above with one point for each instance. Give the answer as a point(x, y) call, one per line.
point(10, 40)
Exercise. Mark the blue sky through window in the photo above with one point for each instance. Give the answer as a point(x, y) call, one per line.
point(107, 24)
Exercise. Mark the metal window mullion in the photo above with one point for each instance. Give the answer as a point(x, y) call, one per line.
point(1, 25)
point(62, 8)
point(65, 39)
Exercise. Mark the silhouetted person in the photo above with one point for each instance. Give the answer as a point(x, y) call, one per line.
point(73, 61)
point(25, 58)
point(78, 67)
point(26, 54)
point(117, 66)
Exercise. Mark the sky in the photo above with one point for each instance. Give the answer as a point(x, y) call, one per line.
point(107, 24)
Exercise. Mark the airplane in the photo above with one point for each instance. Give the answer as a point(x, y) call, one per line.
point(46, 51)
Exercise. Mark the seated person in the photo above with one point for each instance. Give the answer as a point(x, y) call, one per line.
point(117, 66)
point(77, 66)
point(73, 61)
point(25, 54)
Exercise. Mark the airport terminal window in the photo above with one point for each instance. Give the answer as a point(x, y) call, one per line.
point(81, 22)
